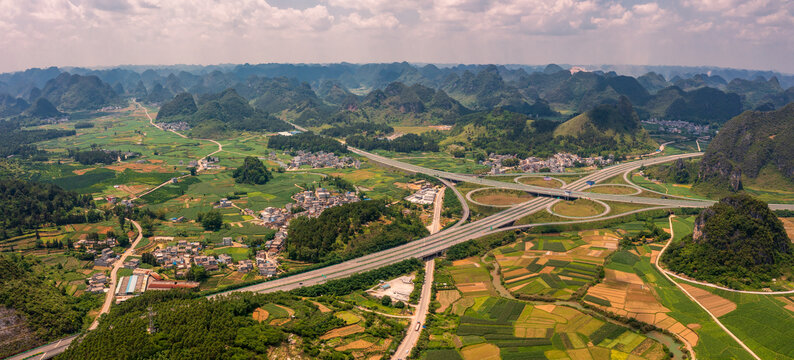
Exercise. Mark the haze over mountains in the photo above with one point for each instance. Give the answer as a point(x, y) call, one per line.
point(670, 92)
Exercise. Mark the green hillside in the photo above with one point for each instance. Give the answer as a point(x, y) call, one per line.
point(738, 242)
point(613, 125)
point(754, 146)
point(219, 115)
point(74, 92)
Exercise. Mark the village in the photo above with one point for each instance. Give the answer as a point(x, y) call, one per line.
point(679, 127)
point(557, 163)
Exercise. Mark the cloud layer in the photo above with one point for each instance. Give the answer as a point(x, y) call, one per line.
point(737, 33)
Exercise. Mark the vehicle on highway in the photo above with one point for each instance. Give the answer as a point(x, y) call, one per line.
point(418, 325)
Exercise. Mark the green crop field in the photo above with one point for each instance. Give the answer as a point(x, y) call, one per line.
point(762, 322)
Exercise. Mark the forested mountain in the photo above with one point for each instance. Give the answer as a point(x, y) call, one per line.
point(752, 145)
point(333, 92)
point(183, 105)
point(400, 103)
point(486, 90)
point(703, 105)
point(653, 82)
point(42, 109)
point(10, 106)
point(616, 126)
point(75, 92)
point(217, 114)
point(737, 242)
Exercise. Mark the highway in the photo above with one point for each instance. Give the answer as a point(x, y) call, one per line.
point(436, 243)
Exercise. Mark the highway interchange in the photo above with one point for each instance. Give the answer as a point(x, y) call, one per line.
point(436, 243)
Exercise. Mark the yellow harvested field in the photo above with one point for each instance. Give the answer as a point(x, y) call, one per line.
point(261, 314)
point(717, 305)
point(580, 354)
point(343, 331)
point(463, 262)
point(473, 287)
point(480, 352)
point(788, 224)
point(446, 298)
point(625, 277)
point(358, 344)
point(321, 307)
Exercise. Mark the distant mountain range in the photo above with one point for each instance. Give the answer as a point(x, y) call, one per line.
point(403, 92)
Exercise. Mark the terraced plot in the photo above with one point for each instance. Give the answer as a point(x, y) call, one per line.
point(554, 265)
point(511, 329)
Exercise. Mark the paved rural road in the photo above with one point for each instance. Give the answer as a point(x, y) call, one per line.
point(665, 273)
point(45, 351)
point(412, 336)
point(114, 275)
point(438, 204)
point(201, 164)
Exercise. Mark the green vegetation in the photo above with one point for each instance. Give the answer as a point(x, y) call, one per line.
point(47, 312)
point(189, 326)
point(306, 141)
point(252, 171)
point(738, 242)
point(351, 230)
point(73, 92)
point(746, 146)
point(27, 205)
point(406, 143)
point(219, 115)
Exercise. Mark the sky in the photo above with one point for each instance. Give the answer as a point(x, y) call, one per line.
point(748, 34)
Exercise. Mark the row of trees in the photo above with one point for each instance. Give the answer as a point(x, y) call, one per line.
point(307, 141)
point(405, 143)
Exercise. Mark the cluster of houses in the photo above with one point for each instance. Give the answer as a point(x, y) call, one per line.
point(105, 258)
point(314, 202)
point(96, 283)
point(322, 160)
point(174, 126)
point(112, 200)
point(92, 246)
point(557, 163)
point(177, 257)
point(266, 266)
point(678, 127)
point(424, 196)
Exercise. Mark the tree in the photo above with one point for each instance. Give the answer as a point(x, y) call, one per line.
point(385, 300)
point(211, 220)
point(253, 171)
point(196, 273)
point(192, 170)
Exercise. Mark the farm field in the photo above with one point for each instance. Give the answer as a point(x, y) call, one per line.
point(554, 266)
point(765, 323)
point(498, 328)
point(635, 288)
point(362, 340)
